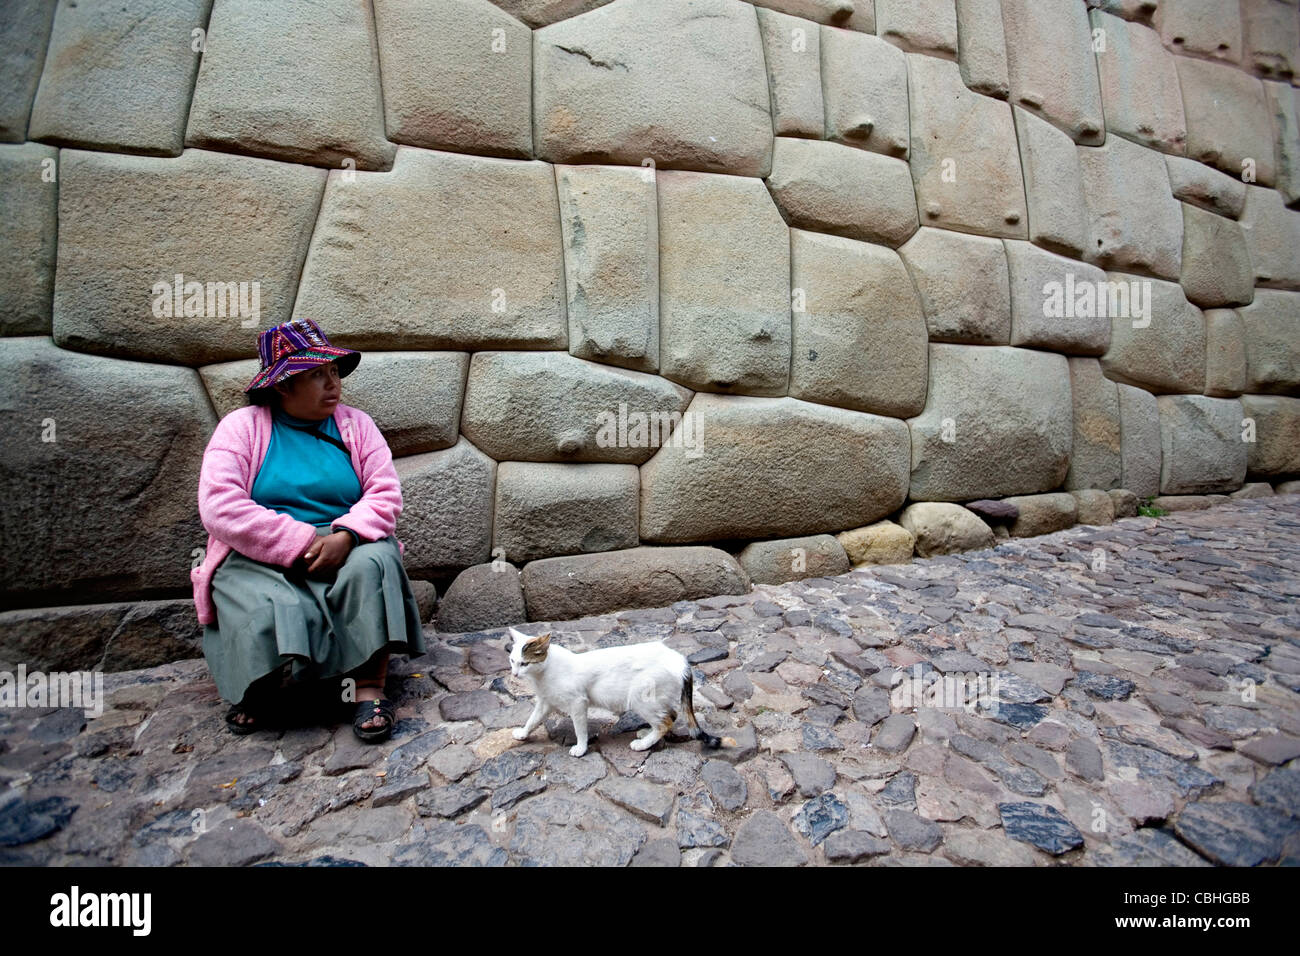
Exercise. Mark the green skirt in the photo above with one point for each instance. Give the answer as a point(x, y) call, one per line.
point(273, 619)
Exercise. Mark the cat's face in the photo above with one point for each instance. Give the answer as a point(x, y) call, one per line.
point(527, 651)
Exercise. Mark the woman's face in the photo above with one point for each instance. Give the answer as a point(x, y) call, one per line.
point(312, 395)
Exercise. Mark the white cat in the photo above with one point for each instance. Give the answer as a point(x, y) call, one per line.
point(652, 680)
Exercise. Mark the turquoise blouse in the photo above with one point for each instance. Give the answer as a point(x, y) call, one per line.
point(306, 476)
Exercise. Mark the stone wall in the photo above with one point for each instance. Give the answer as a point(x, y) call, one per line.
point(855, 254)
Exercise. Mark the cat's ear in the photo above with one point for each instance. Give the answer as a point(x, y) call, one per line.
point(536, 648)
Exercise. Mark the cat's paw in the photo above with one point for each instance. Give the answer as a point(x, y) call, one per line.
point(577, 751)
point(645, 743)
point(518, 734)
point(643, 731)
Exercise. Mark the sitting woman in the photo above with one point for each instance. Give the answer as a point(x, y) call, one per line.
point(302, 583)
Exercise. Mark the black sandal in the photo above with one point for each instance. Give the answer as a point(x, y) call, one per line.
point(370, 709)
point(248, 727)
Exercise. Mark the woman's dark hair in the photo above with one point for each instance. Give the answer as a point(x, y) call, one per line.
point(263, 396)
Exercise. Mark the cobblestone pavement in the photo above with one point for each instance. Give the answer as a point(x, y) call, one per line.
point(1147, 677)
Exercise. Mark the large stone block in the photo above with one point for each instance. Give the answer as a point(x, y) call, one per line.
point(997, 422)
point(830, 187)
point(224, 235)
point(1225, 353)
point(29, 203)
point(982, 47)
point(1043, 514)
point(542, 13)
point(1058, 212)
point(963, 284)
point(1284, 111)
point(1143, 11)
point(1270, 37)
point(1200, 27)
point(1139, 85)
point(1275, 452)
point(792, 54)
point(1194, 182)
point(1201, 445)
point(24, 36)
point(964, 157)
point(1272, 236)
point(1228, 123)
point(1134, 221)
point(119, 76)
point(1160, 347)
point(864, 88)
point(859, 338)
point(482, 597)
point(71, 422)
point(476, 263)
point(724, 284)
point(1054, 301)
point(1139, 428)
point(547, 510)
point(941, 528)
point(610, 221)
point(457, 74)
point(550, 406)
point(446, 519)
point(295, 80)
point(558, 589)
point(104, 637)
point(857, 15)
point(1097, 507)
point(414, 397)
point(1096, 459)
point(1270, 325)
point(919, 26)
point(792, 559)
point(773, 467)
point(881, 543)
point(1051, 65)
point(680, 82)
point(1216, 262)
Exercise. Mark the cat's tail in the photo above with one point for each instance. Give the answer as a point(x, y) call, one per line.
point(688, 708)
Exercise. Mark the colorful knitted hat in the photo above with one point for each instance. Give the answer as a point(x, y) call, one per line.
point(297, 346)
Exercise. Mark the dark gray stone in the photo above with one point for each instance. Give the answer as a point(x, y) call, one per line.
point(850, 846)
point(1154, 765)
point(647, 801)
point(233, 843)
point(871, 706)
point(449, 844)
point(820, 817)
point(468, 706)
point(726, 785)
point(507, 795)
point(24, 821)
point(449, 801)
point(1280, 790)
point(577, 773)
point(561, 829)
point(1103, 686)
point(895, 733)
point(820, 738)
point(696, 830)
point(812, 775)
point(1234, 834)
point(912, 832)
point(900, 791)
point(1041, 825)
point(763, 840)
point(511, 765)
point(661, 852)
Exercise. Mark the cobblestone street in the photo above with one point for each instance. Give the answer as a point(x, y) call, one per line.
point(1148, 713)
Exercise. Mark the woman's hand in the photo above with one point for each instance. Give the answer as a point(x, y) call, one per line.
point(328, 552)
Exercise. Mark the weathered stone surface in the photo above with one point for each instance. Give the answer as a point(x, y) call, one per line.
point(981, 47)
point(792, 54)
point(881, 543)
point(1201, 444)
point(859, 336)
point(776, 562)
point(233, 843)
point(1139, 85)
point(477, 263)
point(550, 406)
point(1279, 790)
point(1125, 501)
point(1270, 37)
point(24, 35)
point(894, 734)
point(830, 187)
point(1051, 65)
point(1216, 263)
point(1096, 458)
point(993, 399)
point(29, 198)
point(456, 75)
point(1048, 308)
point(763, 840)
point(119, 77)
point(1276, 450)
point(847, 16)
point(1254, 489)
point(963, 285)
point(942, 528)
point(546, 510)
point(558, 589)
point(725, 783)
point(127, 229)
point(1146, 847)
point(851, 846)
point(1233, 834)
point(1284, 110)
point(560, 829)
point(1272, 349)
point(1204, 186)
point(1225, 353)
point(1227, 118)
point(66, 423)
point(724, 295)
point(1041, 825)
point(919, 26)
point(1058, 211)
point(1043, 514)
point(812, 775)
point(1272, 235)
point(446, 520)
point(858, 476)
point(1274, 748)
point(1199, 27)
point(610, 223)
point(1134, 222)
point(682, 84)
point(864, 85)
point(964, 161)
point(295, 83)
point(1139, 435)
point(645, 800)
point(541, 13)
point(1160, 346)
point(1095, 507)
point(482, 597)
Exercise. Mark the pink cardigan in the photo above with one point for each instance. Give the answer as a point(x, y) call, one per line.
point(236, 522)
